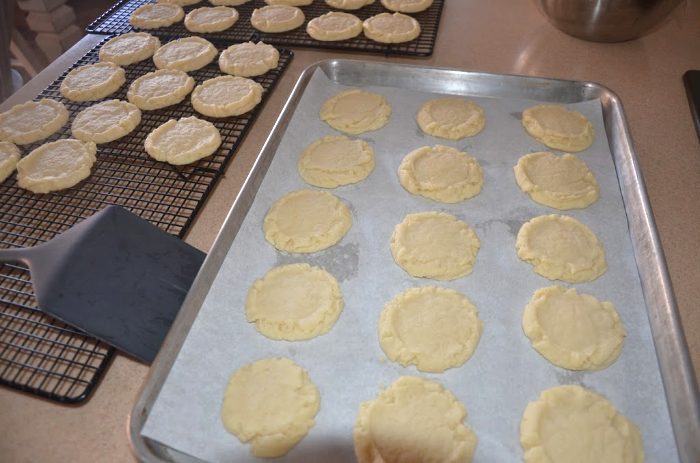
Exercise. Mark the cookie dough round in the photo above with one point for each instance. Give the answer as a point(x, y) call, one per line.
point(572, 330)
point(129, 48)
point(333, 161)
point(431, 328)
point(558, 127)
point(9, 155)
point(271, 404)
point(186, 54)
point(562, 182)
point(226, 96)
point(356, 111)
point(32, 121)
point(561, 248)
point(210, 19)
point(180, 2)
point(441, 173)
point(183, 141)
point(407, 6)
point(294, 302)
point(306, 221)
point(334, 26)
point(391, 28)
point(248, 59)
point(571, 423)
point(106, 121)
point(93, 81)
point(56, 165)
point(434, 245)
point(451, 118)
point(155, 15)
point(228, 2)
point(414, 420)
point(289, 2)
point(348, 4)
point(160, 88)
point(277, 18)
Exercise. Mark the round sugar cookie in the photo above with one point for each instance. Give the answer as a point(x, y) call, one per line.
point(562, 182)
point(180, 2)
point(413, 420)
point(9, 155)
point(248, 59)
point(93, 81)
point(226, 96)
point(160, 88)
point(106, 121)
point(348, 4)
point(129, 48)
point(391, 28)
point(277, 18)
point(56, 165)
point(306, 221)
point(333, 161)
point(228, 2)
point(32, 121)
point(431, 328)
point(558, 127)
point(441, 173)
point(451, 118)
point(572, 424)
point(356, 111)
point(334, 26)
point(294, 302)
point(210, 19)
point(289, 2)
point(183, 141)
point(186, 54)
point(407, 6)
point(572, 330)
point(561, 248)
point(155, 15)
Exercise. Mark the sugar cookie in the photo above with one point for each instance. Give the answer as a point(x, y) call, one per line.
point(294, 302)
point(32, 121)
point(356, 111)
point(129, 48)
point(270, 404)
point(332, 161)
point(277, 18)
point(9, 155)
point(451, 118)
point(306, 221)
point(348, 4)
point(183, 141)
point(570, 423)
point(441, 173)
point(558, 127)
point(289, 2)
point(92, 82)
point(106, 121)
point(391, 28)
point(561, 248)
point(160, 88)
point(434, 245)
point(155, 15)
point(186, 54)
point(248, 59)
point(334, 26)
point(407, 6)
point(210, 19)
point(414, 420)
point(226, 96)
point(56, 165)
point(228, 2)
point(572, 330)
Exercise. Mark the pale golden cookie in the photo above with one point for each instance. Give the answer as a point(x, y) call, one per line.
point(277, 18)
point(92, 82)
point(407, 6)
point(186, 54)
point(155, 15)
point(356, 111)
point(572, 330)
point(32, 121)
point(294, 302)
point(391, 28)
point(434, 245)
point(451, 118)
point(414, 420)
point(56, 166)
point(129, 48)
point(106, 121)
point(226, 96)
point(348, 4)
point(228, 2)
point(334, 26)
point(160, 88)
point(210, 19)
point(289, 2)
point(306, 221)
point(441, 173)
point(183, 141)
point(561, 248)
point(332, 161)
point(180, 2)
point(248, 59)
point(9, 155)
point(573, 424)
point(558, 127)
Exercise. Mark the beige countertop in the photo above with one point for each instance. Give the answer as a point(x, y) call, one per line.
point(502, 36)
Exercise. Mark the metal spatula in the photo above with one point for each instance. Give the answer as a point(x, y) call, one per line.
point(115, 276)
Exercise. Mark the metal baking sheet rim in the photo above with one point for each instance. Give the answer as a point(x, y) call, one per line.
point(674, 360)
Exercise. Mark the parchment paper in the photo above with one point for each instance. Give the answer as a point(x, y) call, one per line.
point(347, 364)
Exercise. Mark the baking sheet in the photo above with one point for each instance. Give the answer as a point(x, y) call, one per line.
point(347, 364)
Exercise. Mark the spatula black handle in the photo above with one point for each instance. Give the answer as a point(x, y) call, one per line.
point(15, 255)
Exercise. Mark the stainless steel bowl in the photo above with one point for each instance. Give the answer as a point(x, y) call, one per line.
point(606, 20)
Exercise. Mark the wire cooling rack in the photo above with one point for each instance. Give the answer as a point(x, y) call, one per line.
point(44, 356)
point(116, 21)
